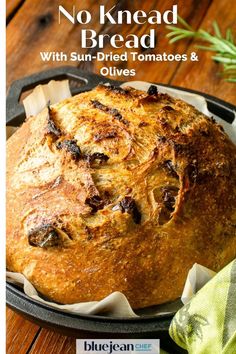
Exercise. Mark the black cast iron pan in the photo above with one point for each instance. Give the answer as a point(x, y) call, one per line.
point(88, 326)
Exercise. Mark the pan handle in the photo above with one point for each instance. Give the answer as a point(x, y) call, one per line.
point(14, 109)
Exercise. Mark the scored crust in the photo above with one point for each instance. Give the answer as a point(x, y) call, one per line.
point(119, 190)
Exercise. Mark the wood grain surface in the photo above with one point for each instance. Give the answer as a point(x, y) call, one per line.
point(11, 7)
point(205, 74)
point(33, 27)
point(20, 333)
point(51, 342)
point(156, 71)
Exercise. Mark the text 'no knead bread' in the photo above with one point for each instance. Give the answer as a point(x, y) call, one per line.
point(117, 189)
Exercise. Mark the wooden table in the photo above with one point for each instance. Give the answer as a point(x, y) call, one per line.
point(32, 26)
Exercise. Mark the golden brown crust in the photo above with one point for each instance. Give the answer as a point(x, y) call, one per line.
point(115, 189)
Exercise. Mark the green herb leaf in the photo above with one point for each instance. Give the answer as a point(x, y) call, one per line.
point(224, 47)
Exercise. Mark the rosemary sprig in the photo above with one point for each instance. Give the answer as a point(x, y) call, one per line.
point(224, 47)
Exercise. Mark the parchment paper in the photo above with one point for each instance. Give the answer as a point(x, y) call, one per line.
point(116, 304)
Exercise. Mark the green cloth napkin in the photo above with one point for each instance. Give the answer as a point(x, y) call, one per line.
point(207, 323)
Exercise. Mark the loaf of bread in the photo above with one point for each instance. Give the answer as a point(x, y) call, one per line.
point(117, 189)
